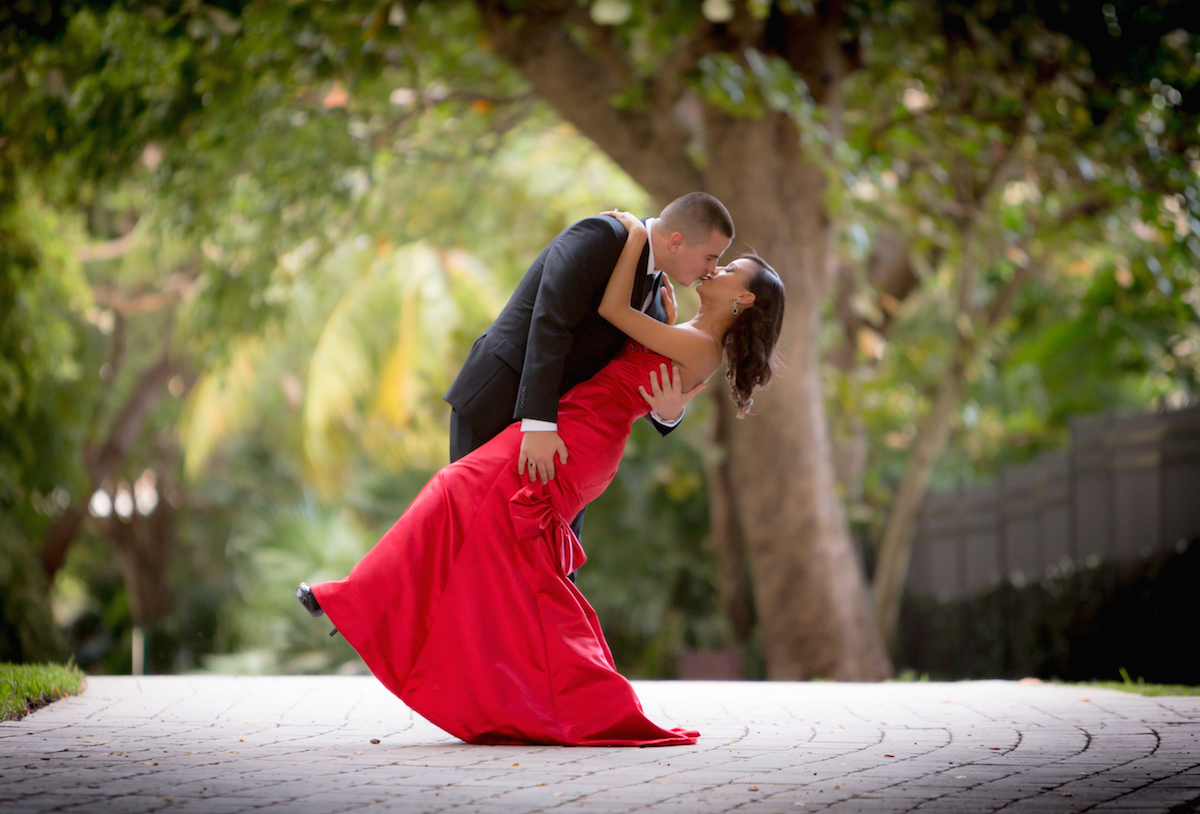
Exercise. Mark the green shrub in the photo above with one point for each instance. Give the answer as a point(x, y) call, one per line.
point(27, 630)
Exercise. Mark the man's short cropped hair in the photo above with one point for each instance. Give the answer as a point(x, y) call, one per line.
point(696, 216)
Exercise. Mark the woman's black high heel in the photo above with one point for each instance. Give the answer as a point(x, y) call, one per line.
point(310, 603)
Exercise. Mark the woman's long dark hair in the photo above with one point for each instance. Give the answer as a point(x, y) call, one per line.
point(750, 341)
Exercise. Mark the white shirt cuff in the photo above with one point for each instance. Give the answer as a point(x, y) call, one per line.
point(535, 425)
point(666, 423)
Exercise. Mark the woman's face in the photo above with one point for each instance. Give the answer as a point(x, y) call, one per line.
point(728, 281)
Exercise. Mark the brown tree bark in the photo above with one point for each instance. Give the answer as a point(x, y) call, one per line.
point(890, 279)
point(774, 496)
point(895, 547)
point(809, 592)
point(734, 580)
point(972, 324)
point(102, 461)
point(143, 545)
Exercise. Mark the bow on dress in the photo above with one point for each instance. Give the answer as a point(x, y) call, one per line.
point(534, 515)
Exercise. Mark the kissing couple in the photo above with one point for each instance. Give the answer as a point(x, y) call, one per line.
point(466, 608)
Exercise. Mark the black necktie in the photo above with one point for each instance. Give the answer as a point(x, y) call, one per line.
point(649, 296)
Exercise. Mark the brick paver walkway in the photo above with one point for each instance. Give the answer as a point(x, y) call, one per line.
point(332, 744)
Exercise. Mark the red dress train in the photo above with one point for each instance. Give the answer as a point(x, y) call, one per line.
point(464, 610)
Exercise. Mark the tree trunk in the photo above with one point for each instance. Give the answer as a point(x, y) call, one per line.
point(971, 325)
point(895, 549)
point(143, 546)
point(102, 462)
point(734, 580)
point(777, 502)
point(809, 589)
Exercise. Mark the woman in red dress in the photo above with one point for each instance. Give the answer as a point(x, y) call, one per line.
point(464, 609)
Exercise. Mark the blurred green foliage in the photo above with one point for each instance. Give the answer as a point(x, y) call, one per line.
point(27, 629)
point(313, 208)
point(1096, 127)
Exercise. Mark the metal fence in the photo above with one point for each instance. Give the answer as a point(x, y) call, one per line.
point(1127, 488)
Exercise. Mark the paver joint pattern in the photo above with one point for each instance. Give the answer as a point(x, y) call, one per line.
point(217, 744)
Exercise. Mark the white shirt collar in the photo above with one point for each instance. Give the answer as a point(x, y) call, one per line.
point(650, 241)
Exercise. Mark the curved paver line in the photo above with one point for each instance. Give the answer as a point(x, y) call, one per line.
point(303, 744)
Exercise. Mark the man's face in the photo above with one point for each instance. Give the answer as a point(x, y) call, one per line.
point(688, 262)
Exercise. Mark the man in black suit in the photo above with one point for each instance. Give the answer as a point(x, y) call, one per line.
point(549, 337)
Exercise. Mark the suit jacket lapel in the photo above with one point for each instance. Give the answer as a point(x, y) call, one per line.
point(638, 295)
point(656, 308)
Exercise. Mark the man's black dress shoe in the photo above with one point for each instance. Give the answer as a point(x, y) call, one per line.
point(305, 595)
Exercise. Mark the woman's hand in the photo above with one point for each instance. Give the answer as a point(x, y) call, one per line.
point(636, 227)
point(627, 219)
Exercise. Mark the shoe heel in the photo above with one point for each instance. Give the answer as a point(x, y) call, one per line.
point(309, 602)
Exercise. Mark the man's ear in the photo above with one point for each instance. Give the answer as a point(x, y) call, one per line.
point(675, 241)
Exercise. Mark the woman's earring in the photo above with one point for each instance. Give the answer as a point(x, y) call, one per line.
point(735, 306)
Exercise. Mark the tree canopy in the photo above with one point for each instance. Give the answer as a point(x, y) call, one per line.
point(244, 245)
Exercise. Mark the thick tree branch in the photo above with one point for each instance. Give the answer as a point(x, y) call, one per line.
point(729, 546)
point(649, 144)
point(808, 591)
point(667, 87)
point(102, 463)
point(116, 359)
point(604, 41)
point(1002, 172)
point(791, 36)
point(177, 289)
point(890, 275)
point(1004, 300)
point(104, 250)
point(128, 423)
point(1084, 209)
point(895, 547)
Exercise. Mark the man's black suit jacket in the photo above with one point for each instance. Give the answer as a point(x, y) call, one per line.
point(550, 336)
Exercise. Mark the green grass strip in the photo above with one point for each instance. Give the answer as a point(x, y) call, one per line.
point(28, 687)
point(1141, 688)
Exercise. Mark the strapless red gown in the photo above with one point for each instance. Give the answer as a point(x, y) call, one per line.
point(464, 610)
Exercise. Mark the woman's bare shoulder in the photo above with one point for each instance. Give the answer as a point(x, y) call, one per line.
point(702, 359)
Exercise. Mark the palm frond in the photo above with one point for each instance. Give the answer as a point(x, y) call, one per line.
point(384, 357)
point(221, 404)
